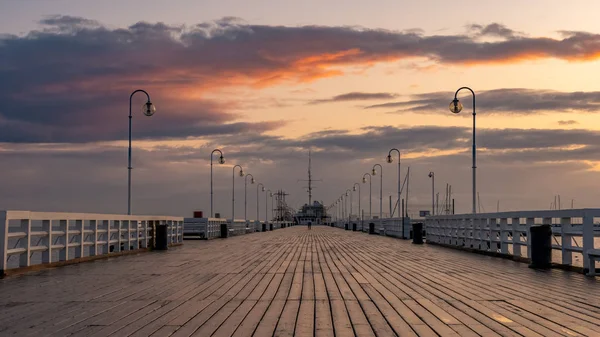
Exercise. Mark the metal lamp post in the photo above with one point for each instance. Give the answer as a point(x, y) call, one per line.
point(432, 176)
point(390, 160)
point(246, 194)
point(456, 107)
point(221, 161)
point(233, 191)
point(148, 109)
point(354, 189)
point(349, 191)
point(267, 203)
point(380, 188)
point(364, 180)
point(257, 202)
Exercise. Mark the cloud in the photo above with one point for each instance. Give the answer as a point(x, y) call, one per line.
point(493, 29)
point(513, 101)
point(173, 179)
point(568, 122)
point(356, 96)
point(78, 90)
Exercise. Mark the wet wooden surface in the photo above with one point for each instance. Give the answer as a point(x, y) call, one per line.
point(300, 282)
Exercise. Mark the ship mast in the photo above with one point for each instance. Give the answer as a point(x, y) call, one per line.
point(310, 178)
point(309, 181)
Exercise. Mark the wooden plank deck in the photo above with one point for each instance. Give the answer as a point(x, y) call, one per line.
point(300, 282)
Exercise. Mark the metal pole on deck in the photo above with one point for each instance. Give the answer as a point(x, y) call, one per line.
point(456, 107)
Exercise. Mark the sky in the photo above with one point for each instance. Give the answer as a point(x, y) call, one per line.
point(265, 81)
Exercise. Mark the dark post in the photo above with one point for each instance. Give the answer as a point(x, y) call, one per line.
point(162, 241)
point(418, 233)
point(224, 231)
point(271, 226)
point(371, 228)
point(452, 205)
point(541, 246)
point(403, 215)
point(346, 226)
point(354, 227)
point(264, 227)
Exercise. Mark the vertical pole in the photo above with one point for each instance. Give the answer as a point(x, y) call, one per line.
point(474, 159)
point(370, 197)
point(233, 197)
point(245, 197)
point(399, 187)
point(433, 194)
point(211, 186)
point(4, 241)
point(381, 194)
point(588, 241)
point(129, 163)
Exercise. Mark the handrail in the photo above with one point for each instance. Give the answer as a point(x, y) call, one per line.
point(497, 232)
point(60, 237)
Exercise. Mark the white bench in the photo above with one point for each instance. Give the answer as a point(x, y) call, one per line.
point(594, 255)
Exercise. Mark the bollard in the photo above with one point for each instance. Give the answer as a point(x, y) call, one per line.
point(270, 226)
point(331, 224)
point(264, 227)
point(418, 233)
point(162, 241)
point(346, 226)
point(354, 227)
point(224, 231)
point(541, 246)
point(371, 228)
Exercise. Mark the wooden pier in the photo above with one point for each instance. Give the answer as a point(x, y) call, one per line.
point(300, 282)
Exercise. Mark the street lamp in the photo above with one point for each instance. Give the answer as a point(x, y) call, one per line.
point(354, 189)
point(267, 203)
point(148, 109)
point(348, 191)
point(456, 107)
point(263, 189)
point(364, 180)
point(390, 160)
point(221, 161)
point(432, 176)
point(246, 194)
point(233, 191)
point(380, 188)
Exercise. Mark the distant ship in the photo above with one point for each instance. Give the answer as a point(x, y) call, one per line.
point(313, 212)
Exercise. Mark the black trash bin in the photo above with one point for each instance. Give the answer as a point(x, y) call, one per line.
point(541, 246)
point(354, 227)
point(371, 228)
point(346, 226)
point(162, 240)
point(224, 230)
point(270, 226)
point(418, 233)
point(264, 227)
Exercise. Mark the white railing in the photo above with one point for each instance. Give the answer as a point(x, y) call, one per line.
point(386, 226)
point(34, 238)
point(574, 232)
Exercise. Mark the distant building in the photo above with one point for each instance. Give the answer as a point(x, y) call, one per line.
point(315, 214)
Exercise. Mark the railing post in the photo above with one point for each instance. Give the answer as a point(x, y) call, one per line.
point(119, 224)
point(588, 239)
point(108, 235)
point(516, 236)
point(567, 254)
point(94, 227)
point(48, 241)
point(504, 236)
point(3, 241)
point(493, 235)
point(25, 258)
point(63, 255)
point(80, 226)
